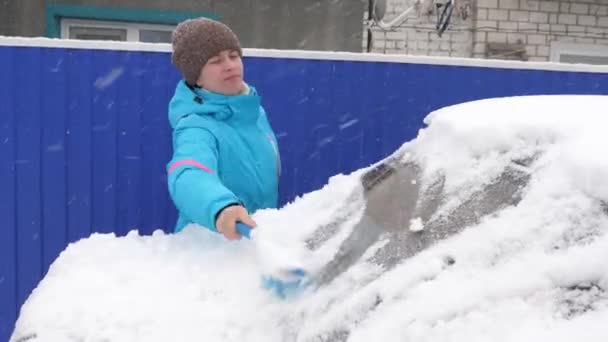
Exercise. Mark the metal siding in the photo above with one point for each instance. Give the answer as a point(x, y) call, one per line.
point(53, 101)
point(103, 86)
point(348, 140)
point(129, 156)
point(158, 79)
point(8, 213)
point(28, 169)
point(319, 135)
point(79, 143)
point(84, 136)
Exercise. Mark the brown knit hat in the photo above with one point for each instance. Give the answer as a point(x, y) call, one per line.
point(196, 40)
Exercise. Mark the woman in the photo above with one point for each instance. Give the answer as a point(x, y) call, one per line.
point(226, 161)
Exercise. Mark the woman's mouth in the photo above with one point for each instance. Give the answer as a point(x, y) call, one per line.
point(231, 78)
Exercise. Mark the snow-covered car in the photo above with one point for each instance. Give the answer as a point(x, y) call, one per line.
point(491, 225)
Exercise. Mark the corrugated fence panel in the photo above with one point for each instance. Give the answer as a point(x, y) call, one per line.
point(129, 156)
point(104, 136)
point(54, 104)
point(158, 82)
point(27, 110)
point(78, 137)
point(84, 138)
point(8, 214)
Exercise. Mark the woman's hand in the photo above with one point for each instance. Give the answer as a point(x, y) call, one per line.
point(227, 219)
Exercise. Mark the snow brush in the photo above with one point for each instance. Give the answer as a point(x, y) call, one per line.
point(286, 277)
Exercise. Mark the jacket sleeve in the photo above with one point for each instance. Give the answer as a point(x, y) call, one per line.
point(194, 184)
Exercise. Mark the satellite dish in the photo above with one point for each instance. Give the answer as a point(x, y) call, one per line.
point(378, 9)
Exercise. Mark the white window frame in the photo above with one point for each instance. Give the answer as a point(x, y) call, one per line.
point(132, 28)
point(562, 48)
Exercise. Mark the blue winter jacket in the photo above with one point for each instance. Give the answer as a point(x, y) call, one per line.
point(224, 152)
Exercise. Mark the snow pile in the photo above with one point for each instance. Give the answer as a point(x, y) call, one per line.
point(536, 270)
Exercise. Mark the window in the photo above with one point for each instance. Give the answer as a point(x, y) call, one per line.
point(109, 30)
point(154, 36)
point(579, 53)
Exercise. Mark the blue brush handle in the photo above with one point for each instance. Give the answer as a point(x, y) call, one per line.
point(243, 229)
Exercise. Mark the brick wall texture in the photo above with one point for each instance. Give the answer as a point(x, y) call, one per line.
point(497, 29)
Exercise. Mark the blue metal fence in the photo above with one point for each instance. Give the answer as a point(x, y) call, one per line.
point(84, 138)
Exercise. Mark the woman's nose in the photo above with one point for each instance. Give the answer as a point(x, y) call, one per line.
point(228, 64)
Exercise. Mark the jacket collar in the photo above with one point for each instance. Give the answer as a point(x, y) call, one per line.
point(243, 108)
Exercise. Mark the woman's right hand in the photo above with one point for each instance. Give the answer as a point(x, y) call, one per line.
point(227, 219)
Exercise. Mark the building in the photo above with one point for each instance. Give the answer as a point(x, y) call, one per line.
point(278, 24)
point(572, 31)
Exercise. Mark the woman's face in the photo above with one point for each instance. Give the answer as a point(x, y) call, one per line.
point(223, 73)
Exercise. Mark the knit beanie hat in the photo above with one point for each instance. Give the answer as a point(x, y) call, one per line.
point(196, 40)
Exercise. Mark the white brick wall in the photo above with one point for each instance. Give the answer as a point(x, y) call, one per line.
point(538, 23)
point(521, 25)
point(417, 35)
